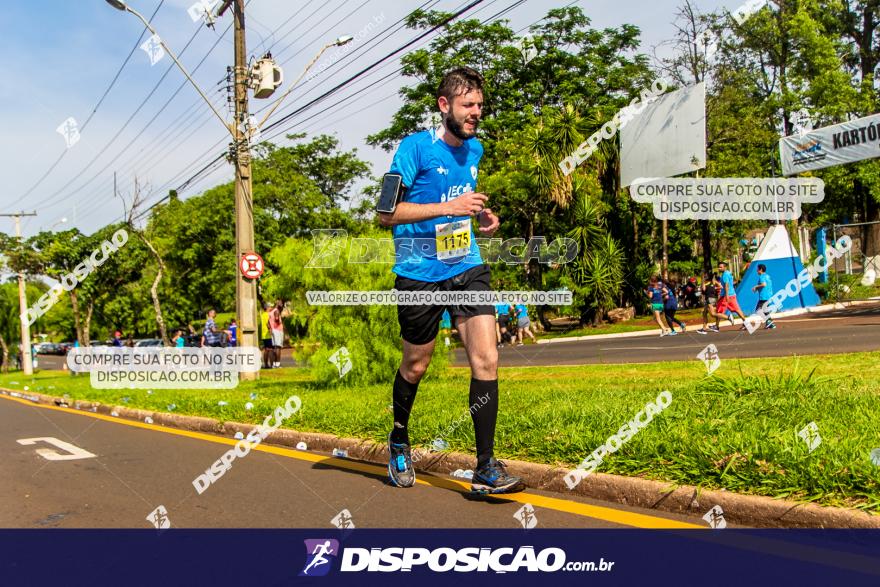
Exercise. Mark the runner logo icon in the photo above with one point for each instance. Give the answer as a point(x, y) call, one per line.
point(320, 554)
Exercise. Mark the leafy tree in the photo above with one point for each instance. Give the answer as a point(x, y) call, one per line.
point(368, 332)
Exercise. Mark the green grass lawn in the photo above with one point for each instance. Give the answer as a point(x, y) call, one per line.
point(735, 430)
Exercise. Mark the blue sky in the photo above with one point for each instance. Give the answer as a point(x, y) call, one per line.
point(66, 52)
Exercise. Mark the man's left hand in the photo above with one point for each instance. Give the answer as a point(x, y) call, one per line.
point(488, 222)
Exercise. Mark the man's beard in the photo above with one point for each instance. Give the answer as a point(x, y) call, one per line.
point(457, 129)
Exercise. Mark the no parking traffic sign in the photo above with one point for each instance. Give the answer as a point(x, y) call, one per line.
point(251, 265)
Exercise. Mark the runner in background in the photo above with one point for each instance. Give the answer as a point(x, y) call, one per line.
point(523, 324)
point(503, 330)
point(655, 295)
point(670, 307)
point(727, 296)
point(710, 299)
point(765, 290)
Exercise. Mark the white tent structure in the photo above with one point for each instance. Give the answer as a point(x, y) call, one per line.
point(783, 263)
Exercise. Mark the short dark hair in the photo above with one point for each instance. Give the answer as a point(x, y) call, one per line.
point(762, 268)
point(460, 80)
point(720, 263)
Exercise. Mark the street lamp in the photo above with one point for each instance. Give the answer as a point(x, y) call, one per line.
point(343, 40)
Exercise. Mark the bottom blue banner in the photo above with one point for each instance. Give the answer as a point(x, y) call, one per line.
point(363, 556)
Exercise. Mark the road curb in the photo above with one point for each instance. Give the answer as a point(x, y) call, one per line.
point(739, 509)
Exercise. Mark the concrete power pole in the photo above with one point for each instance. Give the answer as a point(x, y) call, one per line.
point(245, 289)
point(26, 363)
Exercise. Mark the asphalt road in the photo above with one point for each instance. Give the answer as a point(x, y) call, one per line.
point(136, 467)
point(854, 329)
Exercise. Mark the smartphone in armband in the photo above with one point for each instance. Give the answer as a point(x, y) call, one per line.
point(392, 188)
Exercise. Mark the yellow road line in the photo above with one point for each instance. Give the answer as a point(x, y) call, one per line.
point(562, 505)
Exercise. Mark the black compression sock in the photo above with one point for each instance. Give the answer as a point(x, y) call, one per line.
point(483, 400)
point(404, 394)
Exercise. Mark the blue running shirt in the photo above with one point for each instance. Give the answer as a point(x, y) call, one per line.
point(765, 292)
point(435, 172)
point(727, 279)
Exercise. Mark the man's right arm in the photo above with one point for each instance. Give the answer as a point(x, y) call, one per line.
point(409, 212)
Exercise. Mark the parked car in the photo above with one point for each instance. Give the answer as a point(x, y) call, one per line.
point(49, 348)
point(148, 342)
point(65, 346)
point(41, 348)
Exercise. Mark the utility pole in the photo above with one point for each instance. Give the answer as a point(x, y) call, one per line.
point(245, 289)
point(239, 155)
point(26, 363)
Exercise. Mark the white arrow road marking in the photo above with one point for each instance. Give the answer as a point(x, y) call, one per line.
point(52, 455)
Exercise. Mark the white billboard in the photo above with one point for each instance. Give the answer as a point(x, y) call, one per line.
point(667, 138)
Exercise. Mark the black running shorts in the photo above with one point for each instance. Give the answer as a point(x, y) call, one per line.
point(420, 324)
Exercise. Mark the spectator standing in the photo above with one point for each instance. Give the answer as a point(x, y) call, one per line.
point(232, 333)
point(210, 334)
point(276, 327)
point(266, 336)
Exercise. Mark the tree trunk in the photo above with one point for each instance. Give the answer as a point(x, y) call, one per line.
point(664, 260)
point(154, 290)
point(5, 365)
point(77, 323)
point(88, 325)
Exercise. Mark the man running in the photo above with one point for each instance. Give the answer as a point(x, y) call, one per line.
point(436, 251)
point(727, 297)
point(710, 299)
point(765, 290)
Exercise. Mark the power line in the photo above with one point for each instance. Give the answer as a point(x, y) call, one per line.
point(336, 88)
point(145, 127)
point(51, 197)
point(98, 105)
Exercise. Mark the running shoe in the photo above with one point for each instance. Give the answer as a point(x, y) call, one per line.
point(743, 327)
point(400, 467)
point(702, 331)
point(673, 333)
point(662, 333)
point(771, 326)
point(493, 478)
point(714, 328)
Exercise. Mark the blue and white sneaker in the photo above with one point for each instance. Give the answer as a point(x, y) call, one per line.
point(400, 467)
point(493, 478)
